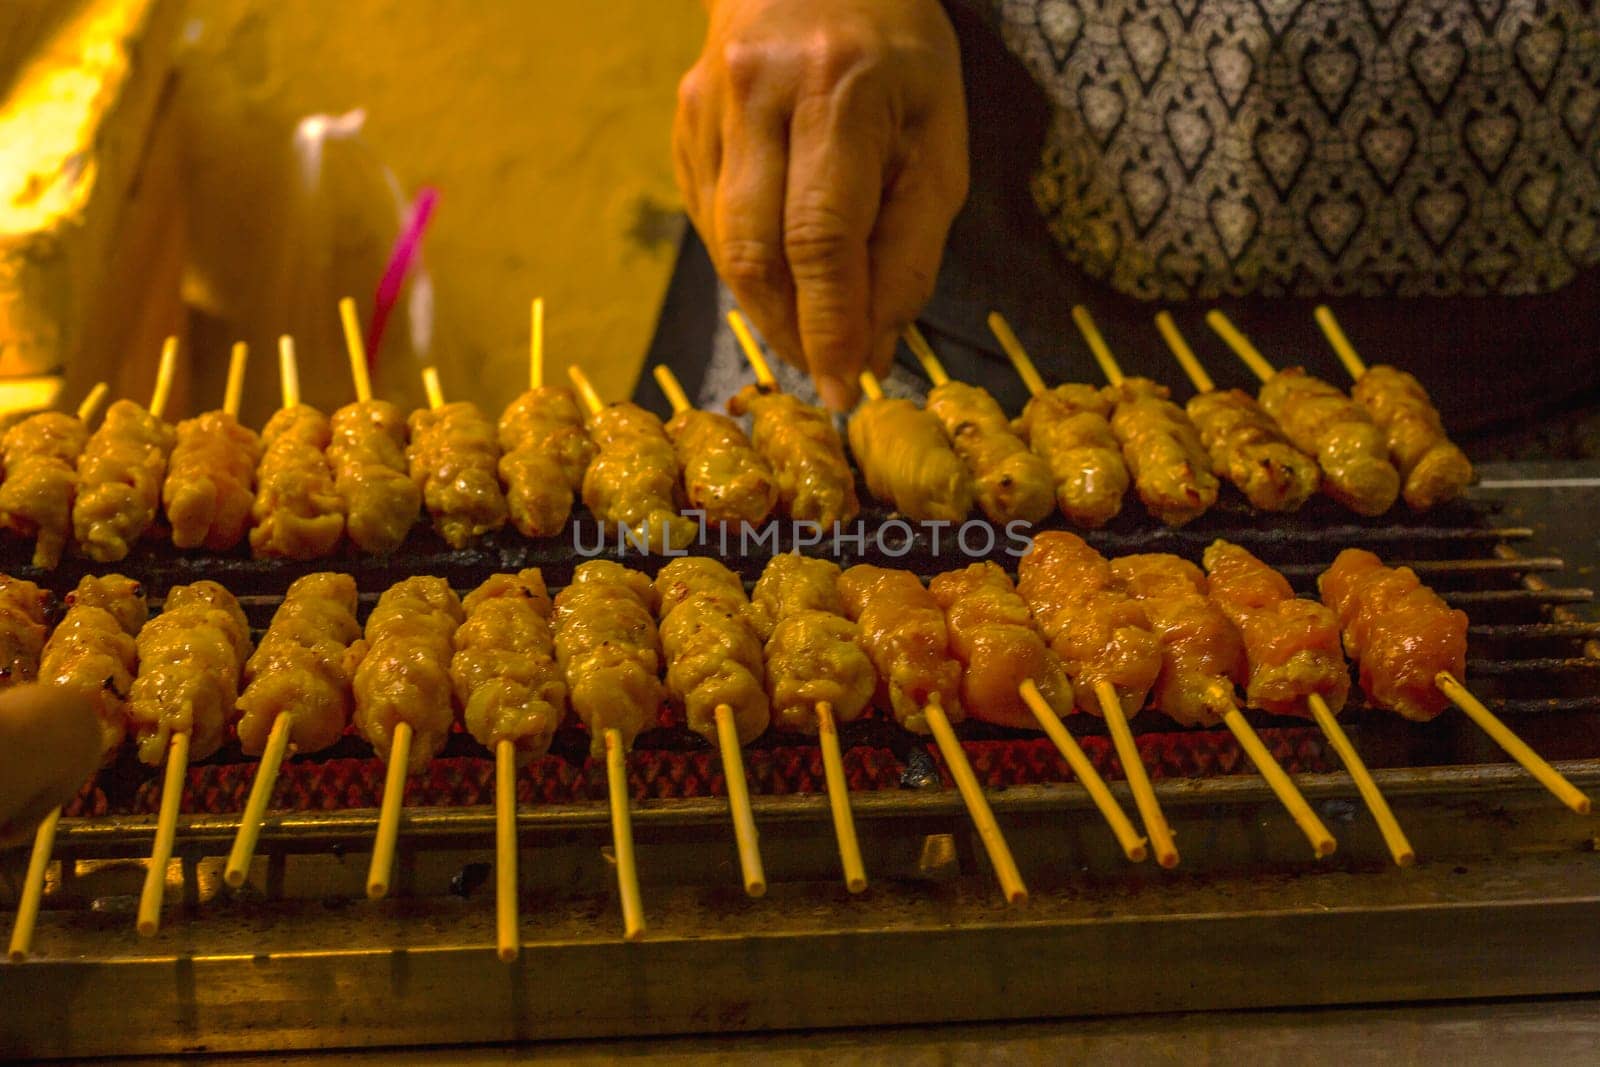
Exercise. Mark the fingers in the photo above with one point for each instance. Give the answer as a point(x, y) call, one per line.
point(697, 148)
point(49, 745)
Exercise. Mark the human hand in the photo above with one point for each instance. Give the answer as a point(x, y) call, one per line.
point(49, 746)
point(821, 148)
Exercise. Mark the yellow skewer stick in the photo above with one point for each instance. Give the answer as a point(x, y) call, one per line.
point(844, 825)
point(507, 923)
point(394, 793)
point(536, 344)
point(91, 403)
point(1133, 845)
point(233, 392)
point(164, 373)
point(155, 877)
point(1340, 343)
point(1183, 353)
point(288, 372)
point(1399, 845)
point(672, 388)
point(870, 386)
point(994, 842)
point(44, 843)
point(1016, 353)
point(356, 349)
point(430, 385)
point(255, 809)
point(925, 355)
point(622, 838)
point(752, 351)
point(1515, 746)
point(744, 820)
point(1248, 354)
point(1097, 344)
point(1288, 794)
point(1144, 795)
point(586, 391)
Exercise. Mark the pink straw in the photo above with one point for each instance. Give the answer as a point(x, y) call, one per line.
point(407, 247)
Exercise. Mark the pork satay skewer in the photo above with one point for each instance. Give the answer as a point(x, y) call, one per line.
point(1068, 426)
point(1170, 466)
point(367, 453)
point(1411, 650)
point(1010, 482)
point(1246, 444)
point(906, 458)
point(454, 459)
point(724, 478)
point(298, 511)
point(41, 478)
point(210, 484)
point(1322, 422)
point(1434, 469)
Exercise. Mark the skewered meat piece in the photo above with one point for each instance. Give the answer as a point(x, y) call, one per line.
point(545, 452)
point(305, 665)
point(634, 479)
point(800, 444)
point(1099, 631)
point(908, 462)
point(41, 455)
point(93, 651)
point(1400, 633)
point(812, 651)
point(454, 458)
point(368, 456)
point(23, 608)
point(405, 675)
point(210, 483)
point(1292, 645)
point(905, 635)
point(992, 634)
point(1322, 422)
point(505, 673)
point(119, 481)
point(609, 651)
point(298, 512)
point(1249, 450)
point(1434, 469)
point(1010, 482)
point(190, 659)
point(1202, 654)
point(1170, 468)
point(713, 654)
point(723, 476)
point(1068, 426)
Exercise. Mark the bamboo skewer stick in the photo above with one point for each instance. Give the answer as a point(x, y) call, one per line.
point(1097, 344)
point(844, 826)
point(586, 390)
point(1144, 796)
point(672, 388)
point(91, 403)
point(1183, 353)
point(1288, 794)
point(744, 820)
point(1514, 746)
point(255, 809)
point(430, 385)
point(233, 391)
point(44, 843)
point(1133, 845)
point(1339, 342)
point(1016, 353)
point(356, 349)
point(394, 792)
point(507, 923)
point(1242, 347)
point(633, 925)
point(1394, 837)
point(752, 351)
point(870, 386)
point(994, 842)
point(536, 344)
point(931, 366)
point(155, 877)
point(164, 373)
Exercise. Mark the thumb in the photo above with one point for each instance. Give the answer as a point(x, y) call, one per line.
point(49, 745)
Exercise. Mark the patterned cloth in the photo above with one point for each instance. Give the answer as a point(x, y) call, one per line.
point(1203, 148)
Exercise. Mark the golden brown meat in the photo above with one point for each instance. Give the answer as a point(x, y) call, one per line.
point(992, 634)
point(908, 462)
point(119, 481)
point(23, 611)
point(92, 650)
point(1292, 645)
point(1348, 446)
point(368, 455)
point(792, 583)
point(40, 454)
point(190, 660)
point(210, 483)
point(723, 476)
point(1100, 632)
point(1399, 632)
point(298, 512)
point(713, 654)
point(800, 444)
point(305, 665)
point(405, 674)
point(1170, 468)
point(609, 651)
point(1202, 654)
point(1010, 482)
point(506, 677)
point(813, 653)
point(634, 479)
point(454, 458)
point(1069, 427)
point(1434, 469)
point(1248, 449)
point(905, 635)
point(546, 451)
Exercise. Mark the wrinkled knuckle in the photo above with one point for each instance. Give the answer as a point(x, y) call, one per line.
point(831, 56)
point(744, 64)
point(691, 90)
point(748, 264)
point(815, 241)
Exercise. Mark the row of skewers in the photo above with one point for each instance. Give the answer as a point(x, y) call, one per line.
point(310, 483)
point(809, 647)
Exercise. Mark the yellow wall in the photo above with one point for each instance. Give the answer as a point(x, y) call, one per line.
point(545, 124)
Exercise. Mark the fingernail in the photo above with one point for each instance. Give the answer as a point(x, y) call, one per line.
point(835, 393)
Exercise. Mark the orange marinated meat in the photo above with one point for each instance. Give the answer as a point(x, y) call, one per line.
point(1202, 654)
point(905, 635)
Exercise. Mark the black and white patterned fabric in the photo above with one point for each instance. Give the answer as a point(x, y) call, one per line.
point(1206, 148)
